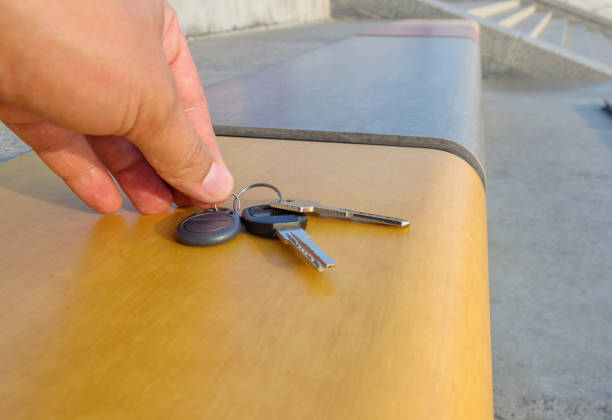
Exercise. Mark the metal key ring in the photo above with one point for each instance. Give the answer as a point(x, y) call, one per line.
point(248, 187)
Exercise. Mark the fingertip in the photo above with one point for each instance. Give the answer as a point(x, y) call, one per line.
point(203, 206)
point(153, 206)
point(144, 188)
point(217, 185)
point(106, 204)
point(181, 199)
point(97, 190)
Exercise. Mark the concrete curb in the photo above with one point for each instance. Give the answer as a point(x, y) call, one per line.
point(198, 17)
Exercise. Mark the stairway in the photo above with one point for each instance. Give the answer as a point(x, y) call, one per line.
point(573, 33)
point(543, 39)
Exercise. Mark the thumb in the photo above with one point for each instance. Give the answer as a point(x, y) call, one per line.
point(178, 154)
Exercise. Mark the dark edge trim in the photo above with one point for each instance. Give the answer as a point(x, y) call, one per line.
point(420, 29)
point(357, 138)
point(475, 39)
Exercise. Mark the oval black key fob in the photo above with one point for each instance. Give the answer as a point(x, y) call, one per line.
point(264, 220)
point(209, 227)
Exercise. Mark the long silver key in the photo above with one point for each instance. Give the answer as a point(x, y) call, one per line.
point(299, 205)
point(266, 221)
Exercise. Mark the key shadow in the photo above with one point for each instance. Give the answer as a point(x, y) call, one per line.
point(166, 227)
point(272, 251)
point(268, 250)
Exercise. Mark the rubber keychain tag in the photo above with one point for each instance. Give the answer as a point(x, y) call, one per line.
point(209, 227)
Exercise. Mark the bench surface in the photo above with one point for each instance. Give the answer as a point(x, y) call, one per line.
point(409, 83)
point(109, 317)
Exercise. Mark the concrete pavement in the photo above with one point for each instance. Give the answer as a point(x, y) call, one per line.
point(549, 152)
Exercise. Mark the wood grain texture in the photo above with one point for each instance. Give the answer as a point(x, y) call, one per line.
point(108, 317)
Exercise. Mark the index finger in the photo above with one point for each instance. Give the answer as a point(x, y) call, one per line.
point(188, 83)
point(178, 142)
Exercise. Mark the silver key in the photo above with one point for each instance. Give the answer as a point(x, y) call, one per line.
point(306, 206)
point(266, 221)
point(301, 242)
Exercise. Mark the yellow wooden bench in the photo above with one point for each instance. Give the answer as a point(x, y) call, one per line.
point(109, 317)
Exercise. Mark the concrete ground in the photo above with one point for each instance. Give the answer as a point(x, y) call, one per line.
point(549, 152)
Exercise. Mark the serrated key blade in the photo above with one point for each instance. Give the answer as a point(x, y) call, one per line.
point(311, 252)
point(297, 205)
point(362, 216)
point(307, 206)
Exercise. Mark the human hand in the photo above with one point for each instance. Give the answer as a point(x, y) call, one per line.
point(110, 86)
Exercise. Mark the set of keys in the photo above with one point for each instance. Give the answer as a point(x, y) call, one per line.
point(285, 219)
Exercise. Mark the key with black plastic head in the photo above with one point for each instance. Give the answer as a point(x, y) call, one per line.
point(264, 220)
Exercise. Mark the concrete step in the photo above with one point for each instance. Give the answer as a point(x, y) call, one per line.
point(468, 5)
point(505, 14)
point(209, 16)
point(555, 32)
point(504, 47)
point(578, 40)
point(488, 8)
point(534, 24)
point(515, 16)
point(602, 47)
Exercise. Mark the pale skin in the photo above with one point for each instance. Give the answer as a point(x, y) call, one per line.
point(101, 88)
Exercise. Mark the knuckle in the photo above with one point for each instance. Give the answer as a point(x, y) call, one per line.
point(187, 166)
point(155, 109)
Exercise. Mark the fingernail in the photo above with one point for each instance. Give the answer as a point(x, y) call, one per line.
point(218, 183)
